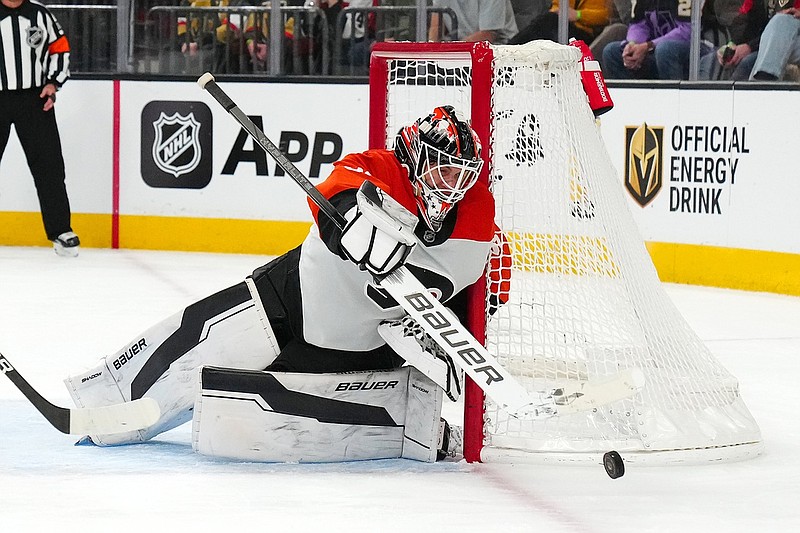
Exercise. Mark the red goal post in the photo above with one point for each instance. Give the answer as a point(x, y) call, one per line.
point(479, 56)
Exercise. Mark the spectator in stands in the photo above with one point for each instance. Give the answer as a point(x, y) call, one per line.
point(256, 35)
point(719, 22)
point(478, 20)
point(586, 19)
point(527, 10)
point(358, 35)
point(735, 59)
point(209, 43)
point(331, 10)
point(298, 42)
point(780, 42)
point(656, 45)
point(619, 16)
point(748, 35)
point(309, 31)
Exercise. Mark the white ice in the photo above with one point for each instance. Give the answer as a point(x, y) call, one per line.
point(60, 315)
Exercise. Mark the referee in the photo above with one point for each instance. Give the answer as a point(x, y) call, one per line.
point(34, 63)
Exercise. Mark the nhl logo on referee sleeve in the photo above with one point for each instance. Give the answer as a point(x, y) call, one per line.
point(176, 144)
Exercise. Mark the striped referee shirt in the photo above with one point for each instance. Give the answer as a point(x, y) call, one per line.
point(33, 48)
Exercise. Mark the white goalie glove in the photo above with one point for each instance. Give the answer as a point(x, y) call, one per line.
point(380, 232)
point(409, 341)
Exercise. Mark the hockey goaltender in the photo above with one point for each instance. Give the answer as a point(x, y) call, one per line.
point(309, 359)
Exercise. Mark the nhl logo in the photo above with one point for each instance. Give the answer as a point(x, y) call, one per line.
point(176, 148)
point(176, 144)
point(34, 36)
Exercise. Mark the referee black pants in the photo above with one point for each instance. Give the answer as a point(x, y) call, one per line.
point(38, 134)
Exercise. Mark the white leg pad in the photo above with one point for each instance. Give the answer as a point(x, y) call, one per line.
point(423, 414)
point(309, 418)
point(95, 387)
point(236, 337)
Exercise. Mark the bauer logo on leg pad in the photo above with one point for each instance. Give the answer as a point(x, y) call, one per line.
point(128, 354)
point(366, 385)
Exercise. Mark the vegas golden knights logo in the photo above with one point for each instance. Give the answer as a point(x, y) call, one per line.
point(643, 162)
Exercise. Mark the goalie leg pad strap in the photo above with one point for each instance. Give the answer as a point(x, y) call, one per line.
point(423, 417)
point(309, 418)
point(432, 362)
point(272, 341)
point(162, 363)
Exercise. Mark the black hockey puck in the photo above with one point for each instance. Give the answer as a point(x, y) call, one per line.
point(612, 461)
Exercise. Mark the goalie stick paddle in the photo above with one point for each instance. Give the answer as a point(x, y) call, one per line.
point(117, 418)
point(417, 301)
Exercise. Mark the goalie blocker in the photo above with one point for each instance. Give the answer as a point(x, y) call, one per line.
point(310, 418)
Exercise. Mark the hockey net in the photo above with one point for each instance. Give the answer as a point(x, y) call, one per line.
point(585, 301)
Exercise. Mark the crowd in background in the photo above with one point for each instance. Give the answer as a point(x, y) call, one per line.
point(647, 39)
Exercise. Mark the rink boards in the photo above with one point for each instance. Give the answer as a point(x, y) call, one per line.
point(159, 165)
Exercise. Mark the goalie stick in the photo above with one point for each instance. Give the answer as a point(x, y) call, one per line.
point(470, 355)
point(116, 418)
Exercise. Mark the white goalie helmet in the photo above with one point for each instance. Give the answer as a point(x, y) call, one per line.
point(443, 156)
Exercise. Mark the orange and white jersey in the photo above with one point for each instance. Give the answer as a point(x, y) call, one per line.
point(341, 305)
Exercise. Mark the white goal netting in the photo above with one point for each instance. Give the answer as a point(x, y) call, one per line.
point(584, 302)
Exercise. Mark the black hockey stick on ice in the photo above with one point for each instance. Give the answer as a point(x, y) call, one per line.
point(116, 418)
point(446, 331)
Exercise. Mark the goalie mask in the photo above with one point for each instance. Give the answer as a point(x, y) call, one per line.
point(443, 156)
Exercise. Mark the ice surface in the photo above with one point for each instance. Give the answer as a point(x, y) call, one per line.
point(58, 316)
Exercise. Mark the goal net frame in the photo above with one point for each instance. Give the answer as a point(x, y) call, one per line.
point(477, 75)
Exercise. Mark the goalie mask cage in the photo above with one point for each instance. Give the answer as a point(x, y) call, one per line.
point(585, 301)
